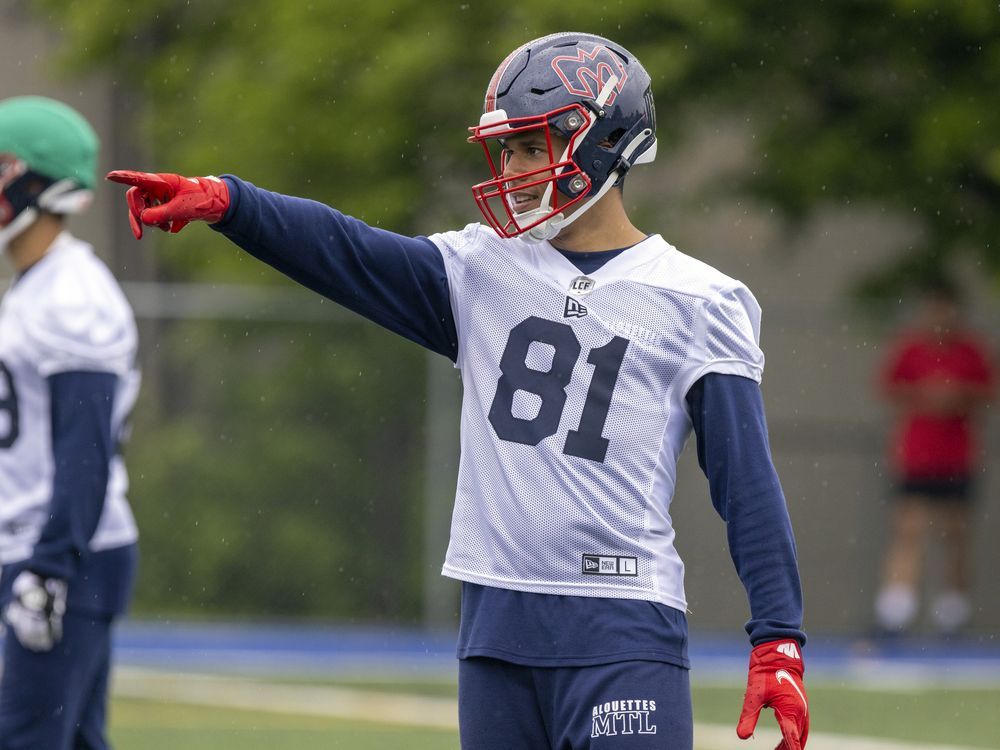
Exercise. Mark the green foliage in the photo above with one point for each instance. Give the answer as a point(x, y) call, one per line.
point(356, 105)
point(892, 103)
point(276, 458)
point(363, 105)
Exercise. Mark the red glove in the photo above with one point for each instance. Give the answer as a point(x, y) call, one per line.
point(169, 201)
point(775, 681)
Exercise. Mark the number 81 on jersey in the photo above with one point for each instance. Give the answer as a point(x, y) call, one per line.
point(550, 386)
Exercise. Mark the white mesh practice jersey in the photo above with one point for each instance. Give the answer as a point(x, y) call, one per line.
point(67, 313)
point(574, 413)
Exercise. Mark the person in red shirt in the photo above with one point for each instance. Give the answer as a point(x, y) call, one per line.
point(938, 377)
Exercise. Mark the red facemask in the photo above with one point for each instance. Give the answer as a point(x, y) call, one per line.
point(562, 182)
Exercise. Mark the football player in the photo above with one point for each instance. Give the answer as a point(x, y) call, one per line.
point(589, 351)
point(67, 378)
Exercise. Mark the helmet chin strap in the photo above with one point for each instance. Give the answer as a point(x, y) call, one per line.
point(548, 230)
point(64, 197)
point(20, 222)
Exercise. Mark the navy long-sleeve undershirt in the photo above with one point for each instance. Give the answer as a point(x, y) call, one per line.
point(400, 283)
point(727, 412)
point(396, 281)
point(82, 446)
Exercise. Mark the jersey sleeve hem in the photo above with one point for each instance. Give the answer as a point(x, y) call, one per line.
point(452, 256)
point(728, 367)
point(565, 588)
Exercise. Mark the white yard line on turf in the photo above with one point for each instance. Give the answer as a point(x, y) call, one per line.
point(312, 700)
point(411, 710)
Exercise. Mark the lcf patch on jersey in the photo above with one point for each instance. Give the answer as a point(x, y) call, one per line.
point(573, 411)
point(66, 313)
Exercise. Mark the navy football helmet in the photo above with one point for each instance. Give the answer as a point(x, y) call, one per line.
point(590, 91)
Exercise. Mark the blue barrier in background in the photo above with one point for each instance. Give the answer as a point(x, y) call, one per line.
point(379, 652)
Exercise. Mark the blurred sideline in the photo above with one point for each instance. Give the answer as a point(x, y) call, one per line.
point(411, 710)
point(238, 666)
point(378, 653)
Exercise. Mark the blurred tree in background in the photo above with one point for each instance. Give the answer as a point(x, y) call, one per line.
point(283, 476)
point(364, 106)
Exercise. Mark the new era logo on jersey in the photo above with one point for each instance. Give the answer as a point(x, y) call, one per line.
point(574, 309)
point(790, 650)
point(608, 565)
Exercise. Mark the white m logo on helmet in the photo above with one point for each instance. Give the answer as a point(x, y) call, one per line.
point(586, 73)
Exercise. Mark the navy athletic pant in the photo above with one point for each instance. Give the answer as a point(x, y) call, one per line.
point(631, 705)
point(59, 700)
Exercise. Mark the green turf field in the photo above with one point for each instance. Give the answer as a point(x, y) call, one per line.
point(147, 725)
point(923, 718)
point(954, 717)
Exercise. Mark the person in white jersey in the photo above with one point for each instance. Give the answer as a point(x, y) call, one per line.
point(589, 352)
point(68, 541)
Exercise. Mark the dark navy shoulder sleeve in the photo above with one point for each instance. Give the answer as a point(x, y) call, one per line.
point(727, 412)
point(82, 447)
point(396, 281)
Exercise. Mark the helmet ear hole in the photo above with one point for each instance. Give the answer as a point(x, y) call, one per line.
point(34, 185)
point(21, 193)
point(612, 140)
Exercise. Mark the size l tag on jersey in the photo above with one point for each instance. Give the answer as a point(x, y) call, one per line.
point(608, 565)
point(581, 286)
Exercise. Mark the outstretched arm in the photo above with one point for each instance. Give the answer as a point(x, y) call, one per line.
point(396, 281)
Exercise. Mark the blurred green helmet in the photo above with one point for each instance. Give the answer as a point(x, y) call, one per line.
point(51, 138)
point(48, 163)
